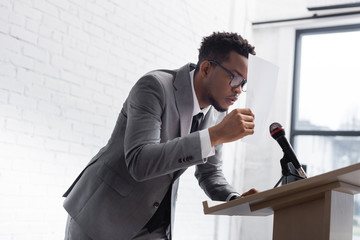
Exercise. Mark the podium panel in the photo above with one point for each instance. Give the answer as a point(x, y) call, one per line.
point(318, 208)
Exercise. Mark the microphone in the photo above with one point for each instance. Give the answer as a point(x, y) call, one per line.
point(278, 133)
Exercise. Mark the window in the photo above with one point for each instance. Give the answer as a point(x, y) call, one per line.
point(325, 122)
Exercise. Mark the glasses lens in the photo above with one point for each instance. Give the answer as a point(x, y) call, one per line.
point(238, 81)
point(244, 86)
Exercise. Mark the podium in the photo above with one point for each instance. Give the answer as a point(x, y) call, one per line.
point(316, 208)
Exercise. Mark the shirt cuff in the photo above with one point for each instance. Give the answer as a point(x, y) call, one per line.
point(234, 194)
point(206, 149)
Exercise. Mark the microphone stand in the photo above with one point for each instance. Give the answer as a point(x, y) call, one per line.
point(286, 171)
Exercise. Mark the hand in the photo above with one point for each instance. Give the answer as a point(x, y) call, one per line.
point(250, 192)
point(237, 124)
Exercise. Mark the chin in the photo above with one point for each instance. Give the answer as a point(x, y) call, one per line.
point(218, 106)
point(221, 109)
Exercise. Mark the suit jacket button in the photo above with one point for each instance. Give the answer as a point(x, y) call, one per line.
point(156, 205)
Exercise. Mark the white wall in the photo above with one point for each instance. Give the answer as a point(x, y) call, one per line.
point(65, 69)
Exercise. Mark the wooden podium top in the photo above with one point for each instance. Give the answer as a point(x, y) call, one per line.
point(345, 179)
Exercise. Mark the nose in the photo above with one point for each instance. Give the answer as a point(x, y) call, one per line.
point(237, 90)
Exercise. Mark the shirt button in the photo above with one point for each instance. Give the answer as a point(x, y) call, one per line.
point(156, 205)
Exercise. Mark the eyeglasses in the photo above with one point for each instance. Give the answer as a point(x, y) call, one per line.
point(236, 80)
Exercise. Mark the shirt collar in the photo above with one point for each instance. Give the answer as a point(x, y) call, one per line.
point(196, 107)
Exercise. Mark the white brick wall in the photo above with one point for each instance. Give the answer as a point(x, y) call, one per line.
point(65, 69)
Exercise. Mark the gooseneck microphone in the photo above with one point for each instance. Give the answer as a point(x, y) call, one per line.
point(278, 133)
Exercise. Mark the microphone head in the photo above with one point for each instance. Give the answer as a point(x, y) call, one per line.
point(276, 130)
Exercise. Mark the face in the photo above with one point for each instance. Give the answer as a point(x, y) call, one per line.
point(217, 89)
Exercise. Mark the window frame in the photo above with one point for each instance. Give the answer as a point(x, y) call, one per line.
point(296, 77)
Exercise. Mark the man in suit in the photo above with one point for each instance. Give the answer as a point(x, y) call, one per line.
point(128, 189)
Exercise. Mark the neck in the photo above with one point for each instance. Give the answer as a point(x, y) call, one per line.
point(198, 87)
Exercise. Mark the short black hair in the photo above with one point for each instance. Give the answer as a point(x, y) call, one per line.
point(218, 46)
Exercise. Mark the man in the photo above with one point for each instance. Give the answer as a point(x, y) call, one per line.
point(128, 189)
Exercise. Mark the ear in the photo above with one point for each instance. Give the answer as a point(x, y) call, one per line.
point(205, 68)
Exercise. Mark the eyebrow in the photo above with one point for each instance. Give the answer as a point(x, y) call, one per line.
point(238, 73)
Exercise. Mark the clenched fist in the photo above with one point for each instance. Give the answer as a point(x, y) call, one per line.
point(237, 124)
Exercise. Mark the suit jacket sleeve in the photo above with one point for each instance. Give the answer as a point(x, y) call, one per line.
point(211, 178)
point(147, 155)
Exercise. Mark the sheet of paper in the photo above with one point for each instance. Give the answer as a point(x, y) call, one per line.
point(262, 78)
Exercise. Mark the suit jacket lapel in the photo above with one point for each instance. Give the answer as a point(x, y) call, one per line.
point(184, 103)
point(184, 98)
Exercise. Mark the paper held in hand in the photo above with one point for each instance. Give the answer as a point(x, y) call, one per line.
point(262, 78)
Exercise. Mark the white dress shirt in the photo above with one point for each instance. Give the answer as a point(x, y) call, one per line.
point(206, 149)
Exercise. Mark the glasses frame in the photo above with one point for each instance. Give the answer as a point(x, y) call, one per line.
point(242, 80)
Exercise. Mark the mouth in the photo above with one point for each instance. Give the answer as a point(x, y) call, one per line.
point(231, 100)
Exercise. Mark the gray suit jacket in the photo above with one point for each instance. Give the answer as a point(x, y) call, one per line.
point(150, 147)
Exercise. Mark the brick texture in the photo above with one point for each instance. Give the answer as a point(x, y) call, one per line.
point(65, 69)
